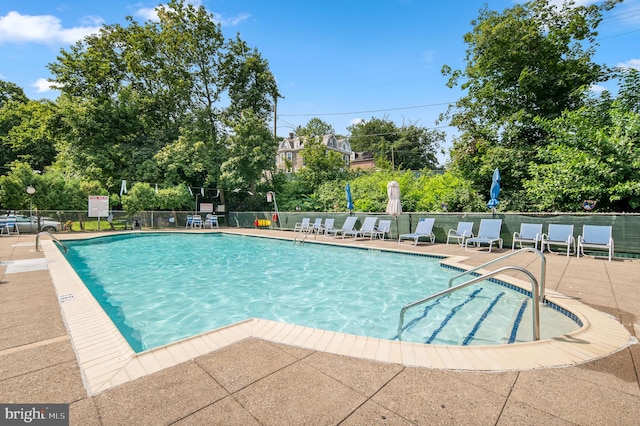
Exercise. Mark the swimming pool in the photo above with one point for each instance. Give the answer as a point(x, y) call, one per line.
point(159, 288)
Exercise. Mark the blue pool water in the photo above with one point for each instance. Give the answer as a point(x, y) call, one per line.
point(162, 287)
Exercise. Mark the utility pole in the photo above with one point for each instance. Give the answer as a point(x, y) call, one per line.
point(393, 160)
point(275, 118)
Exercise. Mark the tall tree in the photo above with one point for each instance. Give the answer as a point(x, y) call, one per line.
point(252, 151)
point(10, 91)
point(54, 190)
point(320, 165)
point(250, 83)
point(129, 92)
point(409, 147)
point(593, 154)
point(314, 127)
point(533, 60)
point(28, 132)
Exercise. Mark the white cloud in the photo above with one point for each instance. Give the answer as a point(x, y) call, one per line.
point(45, 29)
point(43, 85)
point(231, 22)
point(151, 14)
point(356, 121)
point(147, 14)
point(631, 63)
point(596, 88)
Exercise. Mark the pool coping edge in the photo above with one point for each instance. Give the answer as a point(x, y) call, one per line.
point(106, 359)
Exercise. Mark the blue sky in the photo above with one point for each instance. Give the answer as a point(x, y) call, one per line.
point(337, 60)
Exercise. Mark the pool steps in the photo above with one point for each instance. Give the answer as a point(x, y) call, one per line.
point(536, 295)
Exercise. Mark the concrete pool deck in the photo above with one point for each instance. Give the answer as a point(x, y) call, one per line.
point(264, 381)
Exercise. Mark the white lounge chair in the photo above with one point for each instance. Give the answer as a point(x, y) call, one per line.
point(488, 233)
point(461, 233)
point(196, 221)
point(210, 221)
point(302, 226)
point(383, 228)
point(316, 226)
point(596, 236)
point(367, 229)
point(10, 225)
point(529, 233)
point(559, 235)
point(349, 224)
point(424, 229)
point(327, 226)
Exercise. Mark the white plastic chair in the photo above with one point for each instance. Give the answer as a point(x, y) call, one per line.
point(11, 225)
point(488, 233)
point(383, 228)
point(196, 221)
point(596, 236)
point(367, 229)
point(347, 226)
point(316, 226)
point(210, 221)
point(424, 229)
point(529, 233)
point(304, 225)
point(559, 235)
point(327, 226)
point(461, 233)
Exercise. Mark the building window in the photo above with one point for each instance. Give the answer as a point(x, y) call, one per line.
point(289, 162)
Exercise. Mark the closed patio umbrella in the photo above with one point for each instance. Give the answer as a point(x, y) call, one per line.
point(394, 207)
point(349, 198)
point(494, 191)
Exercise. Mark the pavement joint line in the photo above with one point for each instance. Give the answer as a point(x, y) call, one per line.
point(34, 345)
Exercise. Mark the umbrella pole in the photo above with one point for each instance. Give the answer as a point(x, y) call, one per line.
point(397, 230)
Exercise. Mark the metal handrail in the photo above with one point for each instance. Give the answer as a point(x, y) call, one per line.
point(535, 297)
point(543, 268)
point(306, 232)
point(52, 236)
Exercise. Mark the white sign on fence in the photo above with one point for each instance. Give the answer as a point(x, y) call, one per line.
point(206, 207)
point(98, 205)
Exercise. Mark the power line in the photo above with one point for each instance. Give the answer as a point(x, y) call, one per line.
point(621, 15)
point(619, 35)
point(366, 111)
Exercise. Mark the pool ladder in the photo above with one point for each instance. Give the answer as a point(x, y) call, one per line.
point(305, 233)
point(537, 288)
point(52, 236)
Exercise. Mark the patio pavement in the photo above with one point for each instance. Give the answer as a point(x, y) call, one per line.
point(259, 382)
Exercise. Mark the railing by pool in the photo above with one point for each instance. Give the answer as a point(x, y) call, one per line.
point(537, 289)
point(52, 236)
